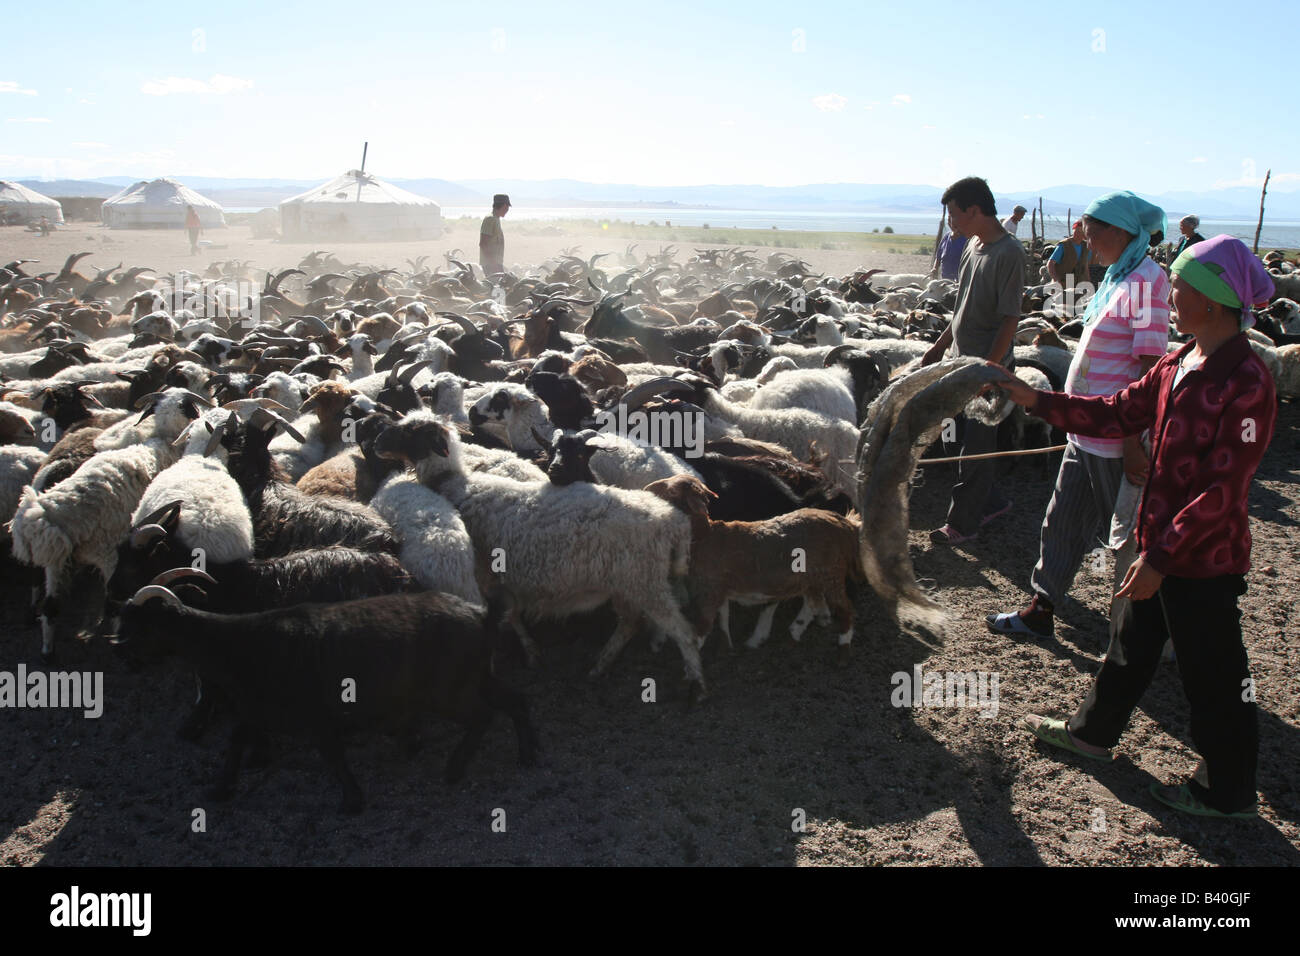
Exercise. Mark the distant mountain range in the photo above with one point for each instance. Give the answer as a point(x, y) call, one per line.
point(1231, 203)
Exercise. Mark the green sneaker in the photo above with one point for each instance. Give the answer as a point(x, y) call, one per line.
point(1054, 732)
point(1181, 798)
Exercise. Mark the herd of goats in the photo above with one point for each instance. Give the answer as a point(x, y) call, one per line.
point(338, 476)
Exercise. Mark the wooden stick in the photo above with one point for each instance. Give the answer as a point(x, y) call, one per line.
point(992, 454)
point(1260, 225)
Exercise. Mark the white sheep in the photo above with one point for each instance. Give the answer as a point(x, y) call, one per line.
point(436, 548)
point(82, 519)
point(827, 391)
point(1288, 375)
point(806, 435)
point(213, 516)
point(563, 550)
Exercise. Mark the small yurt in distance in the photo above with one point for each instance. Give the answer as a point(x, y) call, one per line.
point(159, 204)
point(20, 205)
point(359, 206)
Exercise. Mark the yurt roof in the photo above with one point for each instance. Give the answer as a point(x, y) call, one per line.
point(16, 193)
point(160, 192)
point(354, 186)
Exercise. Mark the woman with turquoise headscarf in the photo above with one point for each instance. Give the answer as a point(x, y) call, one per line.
point(1211, 407)
point(1126, 330)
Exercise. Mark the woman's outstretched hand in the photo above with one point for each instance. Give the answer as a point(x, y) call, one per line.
point(1016, 390)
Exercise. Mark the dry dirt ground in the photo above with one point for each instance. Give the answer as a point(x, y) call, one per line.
point(790, 733)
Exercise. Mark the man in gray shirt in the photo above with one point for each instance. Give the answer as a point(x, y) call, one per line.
point(990, 286)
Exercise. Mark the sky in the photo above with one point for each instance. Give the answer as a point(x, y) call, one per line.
point(1154, 97)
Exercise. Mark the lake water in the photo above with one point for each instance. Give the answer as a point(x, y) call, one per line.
point(1279, 233)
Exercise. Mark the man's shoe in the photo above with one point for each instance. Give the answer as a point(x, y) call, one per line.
point(949, 535)
point(1033, 621)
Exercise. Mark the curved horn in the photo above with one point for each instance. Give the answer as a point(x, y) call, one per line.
point(156, 591)
point(636, 397)
point(469, 327)
point(313, 322)
point(159, 515)
point(162, 580)
point(215, 438)
point(146, 534)
point(550, 449)
point(412, 370)
point(260, 416)
point(833, 355)
point(244, 406)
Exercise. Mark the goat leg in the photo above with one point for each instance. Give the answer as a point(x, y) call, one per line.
point(515, 705)
point(200, 714)
point(331, 750)
point(476, 726)
point(223, 788)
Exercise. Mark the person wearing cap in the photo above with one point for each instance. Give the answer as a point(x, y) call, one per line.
point(1012, 222)
point(1187, 226)
point(1125, 331)
point(491, 240)
point(1211, 407)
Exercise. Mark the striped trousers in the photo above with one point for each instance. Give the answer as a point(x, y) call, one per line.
point(1084, 499)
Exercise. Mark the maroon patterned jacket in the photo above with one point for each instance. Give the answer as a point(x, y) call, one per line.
point(1205, 446)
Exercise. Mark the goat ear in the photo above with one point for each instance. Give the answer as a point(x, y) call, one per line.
point(697, 505)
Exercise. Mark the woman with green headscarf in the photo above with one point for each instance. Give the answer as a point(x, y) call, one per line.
point(1126, 330)
point(1211, 407)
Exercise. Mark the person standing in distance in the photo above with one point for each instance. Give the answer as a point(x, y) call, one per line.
point(491, 240)
point(990, 287)
point(194, 226)
point(1012, 222)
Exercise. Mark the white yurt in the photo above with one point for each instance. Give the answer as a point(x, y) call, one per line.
point(359, 206)
point(20, 205)
point(159, 204)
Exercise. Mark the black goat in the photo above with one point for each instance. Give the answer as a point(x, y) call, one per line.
point(284, 518)
point(322, 670)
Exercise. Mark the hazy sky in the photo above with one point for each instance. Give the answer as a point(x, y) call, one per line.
point(1152, 96)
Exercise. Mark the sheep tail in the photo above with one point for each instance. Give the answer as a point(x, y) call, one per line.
point(37, 539)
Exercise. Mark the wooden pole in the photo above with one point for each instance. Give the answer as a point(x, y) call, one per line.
point(1260, 225)
point(1042, 220)
point(991, 454)
point(1069, 220)
point(934, 261)
point(1033, 228)
point(364, 149)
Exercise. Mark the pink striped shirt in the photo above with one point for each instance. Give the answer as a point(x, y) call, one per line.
point(1133, 323)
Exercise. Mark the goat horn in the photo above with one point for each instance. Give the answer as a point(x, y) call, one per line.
point(245, 405)
point(638, 396)
point(408, 373)
point(166, 577)
point(156, 591)
point(833, 355)
point(261, 415)
point(313, 322)
point(215, 438)
point(145, 534)
point(161, 514)
point(469, 327)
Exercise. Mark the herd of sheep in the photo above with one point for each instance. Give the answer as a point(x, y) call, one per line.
point(340, 493)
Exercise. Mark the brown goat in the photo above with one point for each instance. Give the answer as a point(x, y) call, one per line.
point(328, 400)
point(807, 553)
